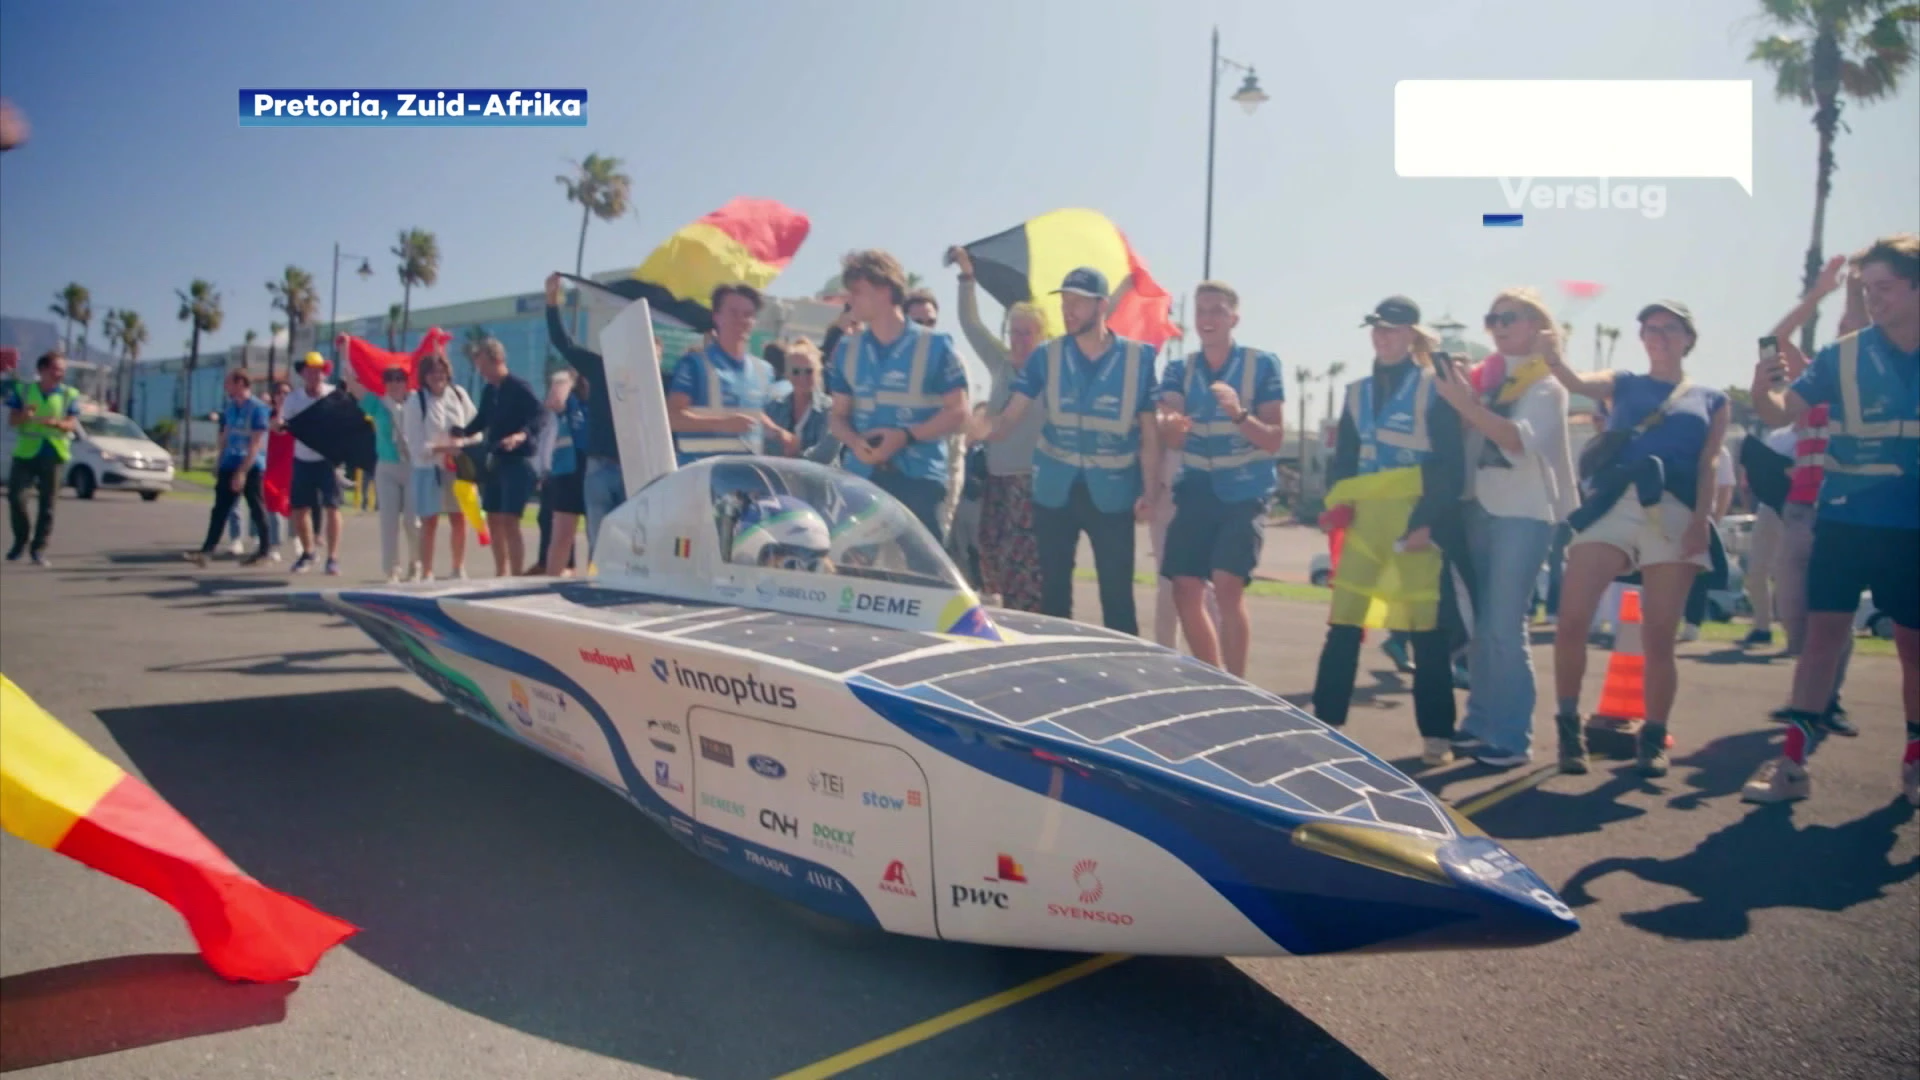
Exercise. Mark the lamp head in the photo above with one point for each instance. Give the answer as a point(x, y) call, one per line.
point(1250, 95)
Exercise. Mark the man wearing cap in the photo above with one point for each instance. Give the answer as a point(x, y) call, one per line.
point(1866, 532)
point(1394, 489)
point(1231, 399)
point(1098, 454)
point(898, 391)
point(316, 483)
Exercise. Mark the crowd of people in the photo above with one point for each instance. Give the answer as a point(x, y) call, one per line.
point(1451, 483)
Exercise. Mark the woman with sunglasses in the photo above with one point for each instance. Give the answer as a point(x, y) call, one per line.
point(1519, 481)
point(1649, 484)
point(434, 410)
point(801, 413)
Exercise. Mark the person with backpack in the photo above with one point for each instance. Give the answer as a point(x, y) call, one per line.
point(429, 419)
point(1650, 485)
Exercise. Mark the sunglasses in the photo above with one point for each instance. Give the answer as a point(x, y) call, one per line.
point(1503, 318)
point(800, 371)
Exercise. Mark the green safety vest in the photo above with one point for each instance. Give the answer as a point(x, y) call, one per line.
point(32, 435)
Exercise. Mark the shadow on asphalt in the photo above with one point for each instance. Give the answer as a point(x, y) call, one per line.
point(1763, 861)
point(511, 887)
point(122, 1002)
point(306, 662)
point(1734, 654)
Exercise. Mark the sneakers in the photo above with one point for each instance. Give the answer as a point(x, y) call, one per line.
point(1573, 744)
point(333, 566)
point(1780, 780)
point(1652, 759)
point(1502, 759)
point(14, 553)
point(1437, 752)
point(1690, 632)
point(1396, 650)
point(1464, 743)
point(301, 564)
point(41, 560)
point(1757, 637)
point(197, 558)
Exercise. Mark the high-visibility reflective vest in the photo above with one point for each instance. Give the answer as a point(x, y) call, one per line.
point(1873, 431)
point(1215, 446)
point(45, 406)
point(1093, 428)
point(1393, 434)
point(729, 390)
point(889, 394)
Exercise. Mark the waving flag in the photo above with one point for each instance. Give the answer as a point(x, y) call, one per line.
point(369, 362)
point(60, 793)
point(747, 240)
point(1027, 262)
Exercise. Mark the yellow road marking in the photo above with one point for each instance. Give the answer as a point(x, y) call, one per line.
point(927, 1029)
point(1508, 790)
point(966, 1014)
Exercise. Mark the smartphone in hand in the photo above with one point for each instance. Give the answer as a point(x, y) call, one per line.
point(1769, 352)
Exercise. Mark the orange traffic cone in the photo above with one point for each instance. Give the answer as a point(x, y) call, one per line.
point(1623, 697)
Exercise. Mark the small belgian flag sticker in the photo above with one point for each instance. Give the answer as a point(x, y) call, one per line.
point(682, 547)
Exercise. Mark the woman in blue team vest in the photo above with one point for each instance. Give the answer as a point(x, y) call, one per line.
point(1648, 485)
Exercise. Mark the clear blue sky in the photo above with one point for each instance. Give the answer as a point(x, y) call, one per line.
point(903, 126)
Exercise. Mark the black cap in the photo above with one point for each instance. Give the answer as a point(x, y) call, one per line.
point(1085, 281)
point(1394, 311)
point(1674, 308)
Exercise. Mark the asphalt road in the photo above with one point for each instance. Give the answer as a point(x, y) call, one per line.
point(519, 921)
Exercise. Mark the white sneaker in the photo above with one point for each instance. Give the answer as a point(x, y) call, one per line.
point(237, 547)
point(1438, 752)
point(1690, 632)
point(393, 577)
point(1779, 780)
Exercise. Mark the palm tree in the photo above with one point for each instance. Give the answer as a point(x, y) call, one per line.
point(419, 255)
point(1334, 371)
point(74, 304)
point(121, 329)
point(294, 294)
point(395, 315)
point(200, 307)
point(1303, 376)
point(246, 346)
point(1831, 48)
point(603, 192)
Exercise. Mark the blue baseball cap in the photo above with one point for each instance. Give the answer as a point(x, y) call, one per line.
point(1086, 281)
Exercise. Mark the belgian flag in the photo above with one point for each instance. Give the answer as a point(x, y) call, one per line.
point(62, 794)
point(748, 240)
point(1028, 261)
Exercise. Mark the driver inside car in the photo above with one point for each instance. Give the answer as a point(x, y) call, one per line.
point(784, 533)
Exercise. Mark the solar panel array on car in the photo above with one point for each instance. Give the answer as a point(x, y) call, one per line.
point(826, 644)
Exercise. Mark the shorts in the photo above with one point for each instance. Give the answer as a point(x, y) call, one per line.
point(315, 484)
point(1851, 559)
point(1628, 526)
point(509, 485)
point(433, 491)
point(565, 493)
point(1207, 535)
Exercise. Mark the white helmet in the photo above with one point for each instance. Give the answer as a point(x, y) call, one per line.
point(781, 531)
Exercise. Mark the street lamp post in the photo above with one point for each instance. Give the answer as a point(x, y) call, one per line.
point(1249, 96)
point(333, 306)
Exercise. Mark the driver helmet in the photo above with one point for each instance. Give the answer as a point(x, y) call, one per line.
point(783, 532)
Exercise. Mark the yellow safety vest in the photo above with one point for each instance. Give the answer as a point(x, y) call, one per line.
point(33, 435)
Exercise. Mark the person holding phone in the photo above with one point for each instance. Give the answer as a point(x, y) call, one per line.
point(1651, 488)
point(1519, 487)
point(1394, 488)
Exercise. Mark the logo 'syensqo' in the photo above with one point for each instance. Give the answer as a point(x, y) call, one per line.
point(766, 766)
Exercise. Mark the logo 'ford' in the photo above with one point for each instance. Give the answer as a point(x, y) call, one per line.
point(766, 766)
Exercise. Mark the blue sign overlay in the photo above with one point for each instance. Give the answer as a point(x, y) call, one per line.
point(1504, 220)
point(427, 107)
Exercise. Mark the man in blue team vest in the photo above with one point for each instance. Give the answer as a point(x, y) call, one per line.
point(1867, 524)
point(1229, 399)
point(1098, 454)
point(898, 391)
point(45, 414)
point(245, 421)
point(717, 398)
